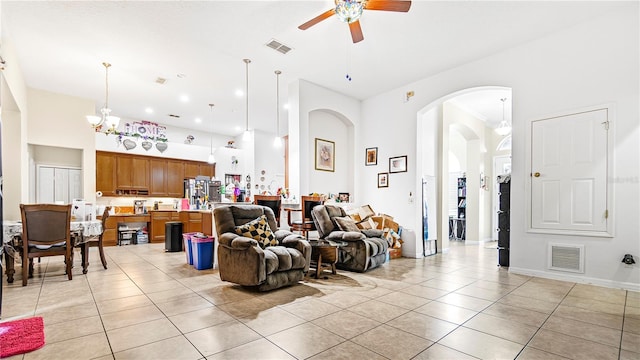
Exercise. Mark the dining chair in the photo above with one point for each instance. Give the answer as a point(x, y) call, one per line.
point(271, 201)
point(305, 224)
point(94, 241)
point(45, 232)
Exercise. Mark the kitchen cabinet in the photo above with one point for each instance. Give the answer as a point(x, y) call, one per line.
point(191, 169)
point(132, 172)
point(110, 231)
point(158, 220)
point(158, 177)
point(106, 173)
point(175, 178)
point(207, 170)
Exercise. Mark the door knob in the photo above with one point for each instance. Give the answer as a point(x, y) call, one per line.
point(536, 174)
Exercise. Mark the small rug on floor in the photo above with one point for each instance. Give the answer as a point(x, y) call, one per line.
point(21, 336)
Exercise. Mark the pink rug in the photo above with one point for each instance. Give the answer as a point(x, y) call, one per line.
point(21, 336)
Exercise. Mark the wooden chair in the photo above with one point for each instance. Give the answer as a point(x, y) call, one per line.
point(96, 241)
point(271, 201)
point(306, 223)
point(47, 226)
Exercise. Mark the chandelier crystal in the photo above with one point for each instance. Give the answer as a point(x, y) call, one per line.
point(105, 118)
point(504, 128)
point(277, 142)
point(349, 10)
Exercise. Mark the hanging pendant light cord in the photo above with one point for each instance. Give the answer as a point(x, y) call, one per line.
point(211, 138)
point(278, 72)
point(106, 81)
point(247, 61)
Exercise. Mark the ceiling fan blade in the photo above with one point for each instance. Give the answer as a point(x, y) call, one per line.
point(317, 19)
point(356, 31)
point(388, 5)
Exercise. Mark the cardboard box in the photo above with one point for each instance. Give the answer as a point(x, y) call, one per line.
point(395, 253)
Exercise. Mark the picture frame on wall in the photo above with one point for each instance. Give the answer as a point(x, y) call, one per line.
point(383, 180)
point(371, 156)
point(398, 164)
point(344, 197)
point(325, 155)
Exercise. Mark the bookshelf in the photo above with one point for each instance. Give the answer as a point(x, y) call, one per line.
point(462, 197)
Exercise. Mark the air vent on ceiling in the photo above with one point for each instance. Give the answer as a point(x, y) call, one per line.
point(566, 257)
point(174, 116)
point(160, 80)
point(278, 46)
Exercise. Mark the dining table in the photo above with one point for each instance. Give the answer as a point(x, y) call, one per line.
point(81, 233)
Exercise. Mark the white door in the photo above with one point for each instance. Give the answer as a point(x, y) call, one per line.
point(569, 172)
point(501, 166)
point(45, 180)
point(75, 184)
point(61, 185)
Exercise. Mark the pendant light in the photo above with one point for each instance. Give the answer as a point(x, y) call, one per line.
point(211, 158)
point(277, 142)
point(105, 117)
point(247, 135)
point(504, 128)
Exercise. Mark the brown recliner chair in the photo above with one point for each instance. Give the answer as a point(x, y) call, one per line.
point(365, 249)
point(242, 261)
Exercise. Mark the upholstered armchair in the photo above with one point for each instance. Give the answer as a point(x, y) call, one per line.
point(365, 249)
point(253, 252)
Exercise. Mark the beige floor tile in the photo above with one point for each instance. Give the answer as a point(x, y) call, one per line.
point(615, 296)
point(221, 337)
point(347, 350)
point(116, 293)
point(439, 352)
point(200, 319)
point(524, 316)
point(343, 299)
point(541, 292)
point(161, 286)
point(272, 321)
point(141, 334)
point(464, 301)
point(538, 305)
point(632, 312)
point(446, 312)
point(405, 301)
point(632, 325)
point(258, 349)
point(572, 347)
point(310, 309)
point(170, 295)
point(86, 347)
point(442, 284)
point(588, 316)
point(245, 308)
point(175, 348)
point(182, 305)
point(594, 305)
point(130, 317)
point(226, 294)
point(378, 310)
point(346, 323)
point(72, 329)
point(61, 313)
point(372, 293)
point(591, 332)
point(424, 326)
point(631, 342)
point(486, 294)
point(424, 291)
point(502, 328)
point(629, 355)
point(530, 353)
point(305, 340)
point(481, 345)
point(392, 342)
point(126, 303)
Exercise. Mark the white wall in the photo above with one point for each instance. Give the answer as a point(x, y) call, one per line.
point(326, 126)
point(269, 159)
point(589, 64)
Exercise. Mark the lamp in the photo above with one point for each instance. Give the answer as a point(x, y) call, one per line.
point(211, 158)
point(106, 118)
point(247, 135)
point(504, 128)
point(349, 10)
point(277, 142)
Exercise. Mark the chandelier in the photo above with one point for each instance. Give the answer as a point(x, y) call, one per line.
point(105, 117)
point(504, 128)
point(277, 142)
point(247, 134)
point(349, 10)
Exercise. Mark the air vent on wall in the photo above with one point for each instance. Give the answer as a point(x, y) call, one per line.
point(278, 46)
point(566, 257)
point(160, 80)
point(174, 116)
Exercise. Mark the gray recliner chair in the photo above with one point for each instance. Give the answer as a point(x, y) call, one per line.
point(242, 261)
point(365, 249)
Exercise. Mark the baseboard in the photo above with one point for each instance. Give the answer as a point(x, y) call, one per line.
point(576, 279)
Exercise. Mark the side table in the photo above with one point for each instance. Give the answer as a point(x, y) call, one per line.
point(324, 254)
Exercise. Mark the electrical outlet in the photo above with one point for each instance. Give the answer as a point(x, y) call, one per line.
point(410, 198)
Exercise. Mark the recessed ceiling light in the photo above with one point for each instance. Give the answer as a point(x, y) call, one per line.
point(239, 93)
point(238, 128)
point(198, 120)
point(286, 106)
point(181, 76)
point(148, 110)
point(184, 98)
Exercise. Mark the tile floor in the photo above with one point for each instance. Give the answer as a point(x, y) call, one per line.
point(151, 305)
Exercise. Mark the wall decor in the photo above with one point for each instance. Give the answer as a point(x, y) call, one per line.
point(371, 157)
point(343, 197)
point(325, 155)
point(383, 180)
point(398, 164)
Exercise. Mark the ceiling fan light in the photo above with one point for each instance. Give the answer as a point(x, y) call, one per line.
point(94, 120)
point(349, 10)
point(211, 159)
point(112, 122)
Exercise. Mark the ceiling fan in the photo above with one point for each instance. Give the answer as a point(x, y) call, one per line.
point(349, 11)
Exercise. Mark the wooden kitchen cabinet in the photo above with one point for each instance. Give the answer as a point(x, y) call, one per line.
point(158, 220)
point(110, 231)
point(207, 170)
point(158, 177)
point(132, 172)
point(175, 178)
point(106, 173)
point(191, 169)
point(196, 221)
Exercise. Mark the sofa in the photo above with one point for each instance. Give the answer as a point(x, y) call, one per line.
point(246, 260)
point(365, 249)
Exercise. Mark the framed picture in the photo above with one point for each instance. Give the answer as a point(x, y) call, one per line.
point(383, 180)
point(325, 155)
point(343, 197)
point(371, 157)
point(398, 164)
